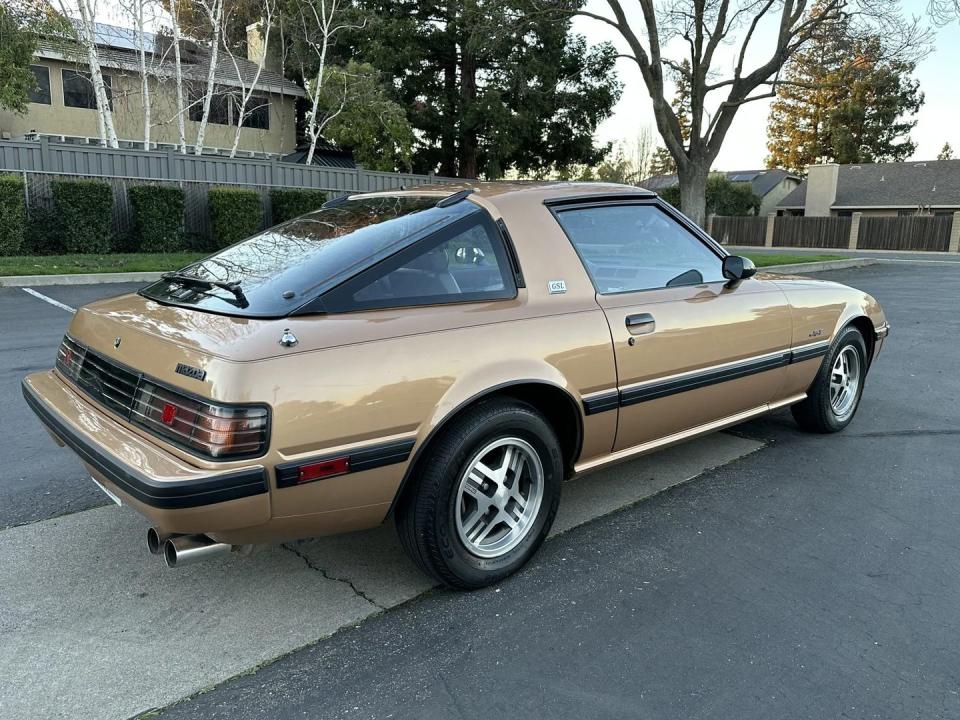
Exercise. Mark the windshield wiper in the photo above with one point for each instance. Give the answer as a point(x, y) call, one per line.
point(204, 284)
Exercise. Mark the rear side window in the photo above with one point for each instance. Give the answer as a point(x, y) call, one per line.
point(465, 262)
point(626, 248)
point(288, 266)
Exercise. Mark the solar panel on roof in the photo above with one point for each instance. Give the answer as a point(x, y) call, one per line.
point(121, 38)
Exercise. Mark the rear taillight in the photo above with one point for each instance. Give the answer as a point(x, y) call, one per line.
point(206, 428)
point(220, 431)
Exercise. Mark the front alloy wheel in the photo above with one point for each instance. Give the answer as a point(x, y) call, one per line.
point(834, 395)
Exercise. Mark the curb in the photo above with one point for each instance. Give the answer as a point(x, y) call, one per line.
point(78, 279)
point(803, 268)
point(145, 277)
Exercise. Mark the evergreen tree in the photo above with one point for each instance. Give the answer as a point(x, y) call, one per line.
point(842, 101)
point(662, 162)
point(490, 86)
point(946, 153)
point(798, 115)
point(873, 120)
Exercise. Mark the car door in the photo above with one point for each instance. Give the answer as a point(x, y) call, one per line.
point(690, 350)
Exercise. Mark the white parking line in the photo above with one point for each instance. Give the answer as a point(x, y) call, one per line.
point(41, 296)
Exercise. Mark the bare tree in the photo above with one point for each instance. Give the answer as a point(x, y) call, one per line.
point(319, 24)
point(703, 27)
point(136, 9)
point(944, 11)
point(214, 12)
point(246, 90)
point(86, 36)
point(173, 7)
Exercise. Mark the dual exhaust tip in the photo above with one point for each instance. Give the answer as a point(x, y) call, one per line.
point(180, 550)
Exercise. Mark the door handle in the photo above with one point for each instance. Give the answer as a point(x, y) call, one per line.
point(640, 324)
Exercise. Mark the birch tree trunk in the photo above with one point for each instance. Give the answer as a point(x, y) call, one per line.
point(178, 79)
point(108, 134)
point(215, 14)
point(247, 92)
point(144, 78)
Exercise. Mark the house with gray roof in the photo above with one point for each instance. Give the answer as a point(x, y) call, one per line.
point(771, 185)
point(63, 107)
point(930, 187)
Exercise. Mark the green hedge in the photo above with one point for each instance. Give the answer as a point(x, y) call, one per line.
point(158, 212)
point(13, 215)
point(234, 214)
point(287, 204)
point(84, 215)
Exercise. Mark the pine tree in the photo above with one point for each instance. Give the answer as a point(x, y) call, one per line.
point(873, 120)
point(490, 87)
point(842, 101)
point(795, 128)
point(946, 153)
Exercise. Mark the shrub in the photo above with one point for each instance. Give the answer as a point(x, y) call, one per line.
point(43, 237)
point(84, 215)
point(287, 204)
point(13, 215)
point(158, 223)
point(234, 215)
point(723, 196)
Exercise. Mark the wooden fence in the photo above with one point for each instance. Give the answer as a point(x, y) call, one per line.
point(812, 232)
point(940, 233)
point(739, 230)
point(905, 233)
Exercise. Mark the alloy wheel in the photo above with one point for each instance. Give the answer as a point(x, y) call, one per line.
point(499, 497)
point(845, 382)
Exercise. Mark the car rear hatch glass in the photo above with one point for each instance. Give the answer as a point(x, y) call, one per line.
point(281, 269)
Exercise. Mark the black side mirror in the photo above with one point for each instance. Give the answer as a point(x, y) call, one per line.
point(737, 268)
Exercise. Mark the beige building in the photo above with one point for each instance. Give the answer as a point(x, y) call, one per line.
point(930, 187)
point(64, 107)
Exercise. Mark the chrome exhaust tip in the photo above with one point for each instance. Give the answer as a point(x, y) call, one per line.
point(156, 539)
point(188, 549)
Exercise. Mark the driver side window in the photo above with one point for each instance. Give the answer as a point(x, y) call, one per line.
point(626, 248)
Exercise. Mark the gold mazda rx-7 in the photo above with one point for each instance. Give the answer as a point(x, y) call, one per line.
point(445, 357)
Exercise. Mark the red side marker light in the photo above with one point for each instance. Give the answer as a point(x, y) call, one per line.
point(169, 413)
point(323, 469)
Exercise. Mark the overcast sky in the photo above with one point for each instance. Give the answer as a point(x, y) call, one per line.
point(746, 143)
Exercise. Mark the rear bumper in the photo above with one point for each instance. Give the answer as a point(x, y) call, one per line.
point(149, 478)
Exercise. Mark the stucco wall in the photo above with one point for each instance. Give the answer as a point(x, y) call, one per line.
point(58, 119)
point(779, 192)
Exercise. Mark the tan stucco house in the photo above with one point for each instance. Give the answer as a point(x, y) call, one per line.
point(64, 107)
point(930, 187)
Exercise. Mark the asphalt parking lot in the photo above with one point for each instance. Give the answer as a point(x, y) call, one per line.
point(815, 577)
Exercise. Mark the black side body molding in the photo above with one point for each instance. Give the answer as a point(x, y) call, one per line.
point(367, 458)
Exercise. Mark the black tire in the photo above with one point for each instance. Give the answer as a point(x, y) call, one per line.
point(425, 515)
point(815, 413)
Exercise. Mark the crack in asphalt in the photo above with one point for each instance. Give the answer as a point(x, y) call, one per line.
point(346, 581)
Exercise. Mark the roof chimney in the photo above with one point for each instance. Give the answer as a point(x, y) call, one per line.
point(821, 189)
point(256, 52)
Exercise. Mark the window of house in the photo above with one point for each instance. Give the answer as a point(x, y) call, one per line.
point(258, 113)
point(219, 107)
point(78, 90)
point(465, 262)
point(626, 248)
point(40, 94)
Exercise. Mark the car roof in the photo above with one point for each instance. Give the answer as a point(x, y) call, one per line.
point(535, 191)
